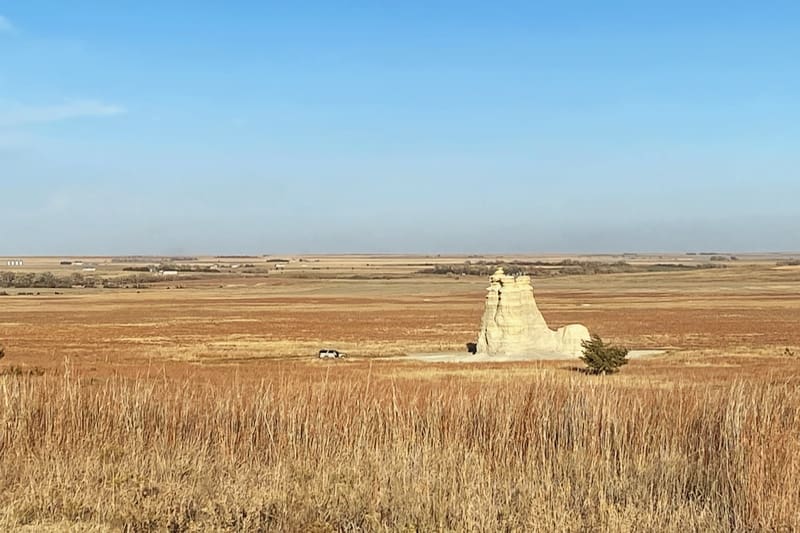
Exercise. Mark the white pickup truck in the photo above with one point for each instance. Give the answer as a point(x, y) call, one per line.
point(331, 354)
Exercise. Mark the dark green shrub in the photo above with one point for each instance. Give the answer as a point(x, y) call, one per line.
point(602, 358)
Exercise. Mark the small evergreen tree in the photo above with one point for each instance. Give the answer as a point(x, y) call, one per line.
point(602, 358)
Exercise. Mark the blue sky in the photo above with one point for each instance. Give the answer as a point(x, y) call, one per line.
point(431, 127)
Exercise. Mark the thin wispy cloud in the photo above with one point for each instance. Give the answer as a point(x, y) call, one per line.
point(5, 25)
point(16, 114)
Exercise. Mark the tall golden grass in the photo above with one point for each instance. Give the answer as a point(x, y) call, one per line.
point(548, 453)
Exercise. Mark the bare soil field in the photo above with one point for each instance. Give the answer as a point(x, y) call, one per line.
point(195, 401)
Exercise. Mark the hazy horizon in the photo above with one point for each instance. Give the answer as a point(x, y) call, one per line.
point(418, 128)
point(739, 254)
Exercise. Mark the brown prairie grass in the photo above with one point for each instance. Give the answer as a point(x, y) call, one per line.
point(355, 451)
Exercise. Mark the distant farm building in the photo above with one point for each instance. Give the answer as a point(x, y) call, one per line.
point(169, 272)
point(280, 266)
point(15, 263)
point(90, 269)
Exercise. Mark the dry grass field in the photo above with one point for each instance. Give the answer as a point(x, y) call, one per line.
point(195, 403)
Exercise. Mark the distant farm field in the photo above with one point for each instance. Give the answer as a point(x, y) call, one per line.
point(194, 400)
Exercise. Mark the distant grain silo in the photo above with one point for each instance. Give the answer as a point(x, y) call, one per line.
point(15, 263)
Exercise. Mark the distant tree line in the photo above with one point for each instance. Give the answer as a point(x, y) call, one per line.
point(567, 267)
point(48, 280)
point(39, 280)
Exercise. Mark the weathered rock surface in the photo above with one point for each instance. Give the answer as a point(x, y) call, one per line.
point(513, 325)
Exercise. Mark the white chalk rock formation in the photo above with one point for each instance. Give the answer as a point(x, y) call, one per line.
point(513, 325)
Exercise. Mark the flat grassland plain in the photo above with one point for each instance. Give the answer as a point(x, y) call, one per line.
point(195, 401)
